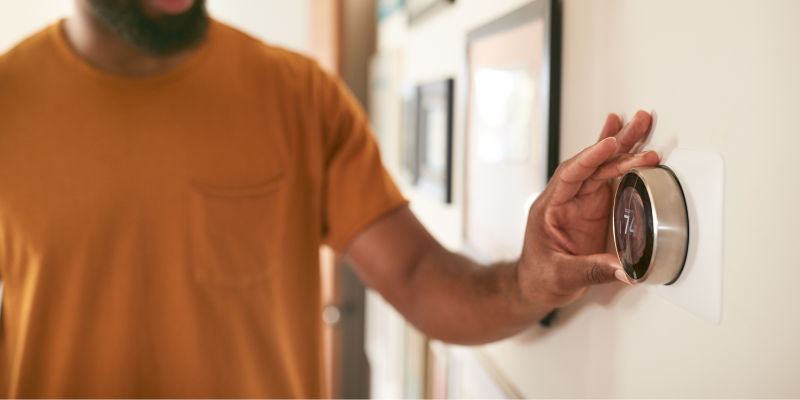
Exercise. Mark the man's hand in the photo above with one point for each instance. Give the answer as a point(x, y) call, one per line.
point(452, 298)
point(563, 253)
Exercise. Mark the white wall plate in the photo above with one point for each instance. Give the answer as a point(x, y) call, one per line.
point(702, 178)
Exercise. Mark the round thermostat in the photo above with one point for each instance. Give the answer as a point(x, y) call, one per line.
point(651, 225)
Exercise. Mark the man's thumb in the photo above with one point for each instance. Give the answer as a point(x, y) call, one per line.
point(595, 269)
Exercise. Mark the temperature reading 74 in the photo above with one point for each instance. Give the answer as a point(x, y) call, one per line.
point(629, 222)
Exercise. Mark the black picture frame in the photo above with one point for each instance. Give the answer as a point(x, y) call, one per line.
point(435, 140)
point(523, 47)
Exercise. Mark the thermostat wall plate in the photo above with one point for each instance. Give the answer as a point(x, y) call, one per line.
point(698, 287)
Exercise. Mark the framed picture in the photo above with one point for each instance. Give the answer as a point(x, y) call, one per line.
point(385, 8)
point(409, 136)
point(437, 370)
point(415, 363)
point(422, 8)
point(435, 155)
point(512, 126)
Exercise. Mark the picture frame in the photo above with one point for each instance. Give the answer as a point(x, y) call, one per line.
point(409, 136)
point(437, 382)
point(512, 127)
point(385, 8)
point(435, 140)
point(418, 9)
point(415, 363)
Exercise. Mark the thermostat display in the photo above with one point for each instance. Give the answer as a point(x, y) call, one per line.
point(651, 227)
point(631, 232)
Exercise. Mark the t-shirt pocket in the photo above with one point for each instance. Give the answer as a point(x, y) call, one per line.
point(236, 232)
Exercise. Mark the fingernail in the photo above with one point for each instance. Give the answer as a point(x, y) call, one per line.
point(621, 276)
point(644, 153)
point(609, 139)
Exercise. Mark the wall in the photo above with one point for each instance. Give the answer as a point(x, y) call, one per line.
point(723, 76)
point(20, 19)
point(278, 22)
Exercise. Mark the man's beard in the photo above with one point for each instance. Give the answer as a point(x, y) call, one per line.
point(161, 36)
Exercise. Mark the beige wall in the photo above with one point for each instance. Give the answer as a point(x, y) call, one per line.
point(20, 19)
point(724, 76)
point(278, 22)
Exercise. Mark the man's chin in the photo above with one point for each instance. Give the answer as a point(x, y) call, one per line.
point(166, 7)
point(157, 35)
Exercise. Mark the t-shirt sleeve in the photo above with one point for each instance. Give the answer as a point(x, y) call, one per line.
point(357, 189)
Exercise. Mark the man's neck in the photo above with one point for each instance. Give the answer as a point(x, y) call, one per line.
point(106, 51)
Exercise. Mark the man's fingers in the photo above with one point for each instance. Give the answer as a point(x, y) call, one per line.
point(616, 166)
point(578, 272)
point(611, 127)
point(571, 173)
point(633, 131)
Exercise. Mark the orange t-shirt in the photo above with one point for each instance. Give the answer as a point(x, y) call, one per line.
point(159, 236)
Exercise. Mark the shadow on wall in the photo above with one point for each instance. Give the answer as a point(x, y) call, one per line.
point(598, 340)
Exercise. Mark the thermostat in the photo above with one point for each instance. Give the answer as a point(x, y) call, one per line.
point(651, 225)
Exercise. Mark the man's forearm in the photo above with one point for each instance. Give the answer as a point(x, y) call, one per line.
point(452, 298)
point(445, 295)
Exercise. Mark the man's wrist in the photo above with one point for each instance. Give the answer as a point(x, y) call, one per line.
point(529, 301)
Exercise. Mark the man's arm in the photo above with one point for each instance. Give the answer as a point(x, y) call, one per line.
point(452, 298)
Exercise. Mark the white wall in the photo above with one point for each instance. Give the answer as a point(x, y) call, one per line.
point(724, 76)
point(283, 23)
point(277, 22)
point(20, 19)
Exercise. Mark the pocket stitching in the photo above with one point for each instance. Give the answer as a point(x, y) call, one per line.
point(238, 191)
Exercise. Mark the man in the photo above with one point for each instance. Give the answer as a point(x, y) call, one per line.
point(166, 182)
